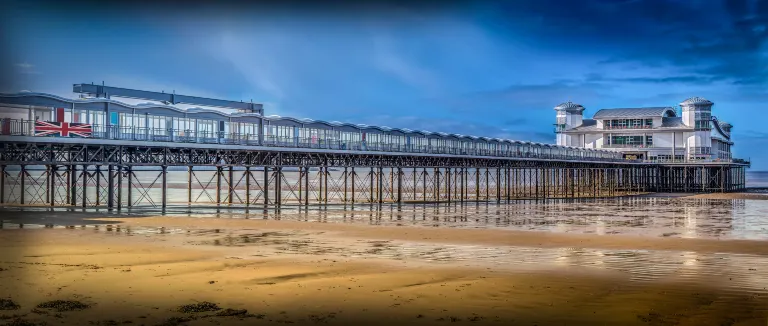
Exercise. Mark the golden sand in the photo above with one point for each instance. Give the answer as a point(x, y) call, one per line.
point(142, 278)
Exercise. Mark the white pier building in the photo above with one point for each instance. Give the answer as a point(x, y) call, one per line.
point(650, 133)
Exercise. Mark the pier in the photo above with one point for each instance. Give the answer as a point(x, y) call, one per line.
point(105, 153)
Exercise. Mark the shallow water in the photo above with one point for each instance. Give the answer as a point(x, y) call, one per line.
point(645, 216)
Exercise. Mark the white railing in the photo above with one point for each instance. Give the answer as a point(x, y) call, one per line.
point(14, 127)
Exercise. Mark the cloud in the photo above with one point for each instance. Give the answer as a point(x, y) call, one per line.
point(527, 97)
point(715, 40)
point(388, 58)
point(258, 66)
point(26, 68)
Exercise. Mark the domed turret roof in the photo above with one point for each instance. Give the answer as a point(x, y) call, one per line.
point(569, 106)
point(697, 101)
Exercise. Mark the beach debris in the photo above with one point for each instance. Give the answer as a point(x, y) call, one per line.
point(24, 322)
point(110, 322)
point(232, 312)
point(211, 282)
point(174, 321)
point(8, 304)
point(322, 319)
point(204, 306)
point(63, 305)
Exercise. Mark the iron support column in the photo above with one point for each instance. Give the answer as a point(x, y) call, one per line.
point(22, 175)
point(320, 184)
point(98, 185)
point(371, 175)
point(248, 186)
point(477, 184)
point(437, 184)
point(353, 185)
point(52, 185)
point(2, 184)
point(119, 187)
point(231, 188)
point(278, 185)
point(325, 183)
point(189, 185)
point(85, 185)
point(345, 183)
point(448, 183)
point(219, 172)
point(380, 192)
point(265, 188)
point(129, 192)
point(399, 185)
point(306, 185)
point(424, 183)
point(498, 185)
point(111, 187)
point(164, 173)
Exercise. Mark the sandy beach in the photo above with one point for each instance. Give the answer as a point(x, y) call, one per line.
point(142, 270)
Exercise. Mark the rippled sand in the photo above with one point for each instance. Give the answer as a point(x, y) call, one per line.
point(306, 270)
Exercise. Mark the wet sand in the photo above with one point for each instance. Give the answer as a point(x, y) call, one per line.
point(142, 269)
point(734, 195)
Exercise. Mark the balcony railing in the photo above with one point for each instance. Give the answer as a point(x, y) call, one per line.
point(606, 127)
point(627, 146)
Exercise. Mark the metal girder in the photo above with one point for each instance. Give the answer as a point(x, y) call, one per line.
point(78, 154)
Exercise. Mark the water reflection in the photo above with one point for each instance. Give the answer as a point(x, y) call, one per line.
point(648, 216)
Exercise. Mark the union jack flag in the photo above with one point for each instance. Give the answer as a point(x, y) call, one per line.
point(62, 129)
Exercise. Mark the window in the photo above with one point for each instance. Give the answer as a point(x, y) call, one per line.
point(628, 124)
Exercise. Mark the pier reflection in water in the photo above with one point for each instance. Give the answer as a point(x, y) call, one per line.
point(645, 216)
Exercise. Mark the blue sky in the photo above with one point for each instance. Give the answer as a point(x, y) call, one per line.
point(479, 68)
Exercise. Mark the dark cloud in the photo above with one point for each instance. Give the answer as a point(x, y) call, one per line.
point(708, 40)
point(687, 79)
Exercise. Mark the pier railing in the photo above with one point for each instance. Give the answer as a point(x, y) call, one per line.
point(14, 127)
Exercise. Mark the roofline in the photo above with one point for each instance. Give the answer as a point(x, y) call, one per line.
point(666, 109)
point(32, 95)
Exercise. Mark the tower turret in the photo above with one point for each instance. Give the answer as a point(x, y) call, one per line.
point(569, 116)
point(697, 113)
